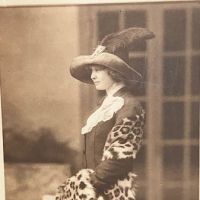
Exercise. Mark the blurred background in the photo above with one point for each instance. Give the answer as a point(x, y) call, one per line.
point(44, 108)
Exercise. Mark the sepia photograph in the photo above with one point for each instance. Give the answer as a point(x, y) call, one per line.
point(100, 101)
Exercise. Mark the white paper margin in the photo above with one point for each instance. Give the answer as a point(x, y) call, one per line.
point(8, 3)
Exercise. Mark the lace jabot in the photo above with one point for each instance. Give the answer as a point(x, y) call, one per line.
point(105, 112)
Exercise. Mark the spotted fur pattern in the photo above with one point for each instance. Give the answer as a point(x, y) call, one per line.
point(125, 139)
point(79, 187)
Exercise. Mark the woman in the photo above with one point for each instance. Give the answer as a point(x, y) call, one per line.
point(113, 133)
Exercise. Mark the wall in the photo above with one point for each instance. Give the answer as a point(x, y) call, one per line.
point(40, 100)
point(37, 45)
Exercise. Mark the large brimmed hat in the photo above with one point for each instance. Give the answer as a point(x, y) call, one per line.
point(113, 54)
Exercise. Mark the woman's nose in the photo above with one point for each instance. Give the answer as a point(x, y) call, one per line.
point(93, 75)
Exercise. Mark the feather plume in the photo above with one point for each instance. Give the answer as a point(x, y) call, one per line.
point(126, 38)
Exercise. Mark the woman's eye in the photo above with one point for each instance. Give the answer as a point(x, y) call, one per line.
point(98, 69)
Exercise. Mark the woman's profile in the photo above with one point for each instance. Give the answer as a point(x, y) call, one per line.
point(113, 133)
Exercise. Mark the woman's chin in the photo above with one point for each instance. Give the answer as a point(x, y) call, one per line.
point(99, 88)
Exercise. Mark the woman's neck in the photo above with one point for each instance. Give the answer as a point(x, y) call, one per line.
point(114, 88)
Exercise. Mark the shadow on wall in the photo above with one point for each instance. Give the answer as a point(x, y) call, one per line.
point(43, 149)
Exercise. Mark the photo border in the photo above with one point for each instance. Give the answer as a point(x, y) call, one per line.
point(39, 3)
point(13, 3)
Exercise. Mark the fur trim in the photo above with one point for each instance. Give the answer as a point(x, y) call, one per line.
point(79, 187)
point(125, 139)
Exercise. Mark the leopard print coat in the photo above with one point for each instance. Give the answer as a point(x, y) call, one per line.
point(123, 141)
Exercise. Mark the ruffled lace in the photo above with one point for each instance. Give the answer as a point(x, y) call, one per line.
point(105, 112)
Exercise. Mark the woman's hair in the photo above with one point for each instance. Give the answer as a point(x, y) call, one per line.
point(130, 84)
point(116, 76)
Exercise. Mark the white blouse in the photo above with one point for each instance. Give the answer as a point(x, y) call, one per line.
point(105, 112)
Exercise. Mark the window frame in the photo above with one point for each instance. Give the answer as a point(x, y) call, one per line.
point(154, 93)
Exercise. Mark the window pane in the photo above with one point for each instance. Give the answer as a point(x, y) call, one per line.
point(195, 75)
point(174, 30)
point(196, 29)
point(107, 23)
point(140, 65)
point(174, 75)
point(173, 163)
point(194, 170)
point(136, 18)
point(173, 194)
point(195, 120)
point(173, 120)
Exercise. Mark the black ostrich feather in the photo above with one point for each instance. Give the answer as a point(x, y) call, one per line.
point(126, 38)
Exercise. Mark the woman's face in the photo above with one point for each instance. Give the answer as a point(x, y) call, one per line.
point(101, 78)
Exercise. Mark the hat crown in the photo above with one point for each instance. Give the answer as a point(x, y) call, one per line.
point(120, 52)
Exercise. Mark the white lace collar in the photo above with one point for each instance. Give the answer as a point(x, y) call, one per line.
point(105, 112)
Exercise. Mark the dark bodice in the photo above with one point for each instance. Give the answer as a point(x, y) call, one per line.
point(94, 143)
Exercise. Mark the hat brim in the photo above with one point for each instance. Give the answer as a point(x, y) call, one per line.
point(80, 70)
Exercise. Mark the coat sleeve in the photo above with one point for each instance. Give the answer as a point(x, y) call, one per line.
point(121, 147)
